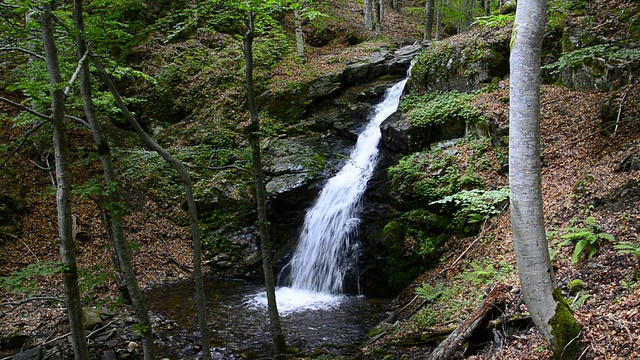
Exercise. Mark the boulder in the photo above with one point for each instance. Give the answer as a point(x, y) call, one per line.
point(15, 339)
point(91, 318)
point(31, 354)
point(400, 136)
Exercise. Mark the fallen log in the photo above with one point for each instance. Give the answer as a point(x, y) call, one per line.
point(458, 339)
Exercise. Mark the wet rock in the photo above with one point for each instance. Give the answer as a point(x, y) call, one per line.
point(31, 354)
point(91, 318)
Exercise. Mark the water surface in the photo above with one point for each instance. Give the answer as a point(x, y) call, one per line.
point(239, 322)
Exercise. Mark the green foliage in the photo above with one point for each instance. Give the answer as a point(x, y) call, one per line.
point(428, 292)
point(608, 52)
point(575, 286)
point(579, 301)
point(439, 108)
point(484, 273)
point(475, 206)
point(628, 247)
point(495, 20)
point(588, 239)
point(25, 281)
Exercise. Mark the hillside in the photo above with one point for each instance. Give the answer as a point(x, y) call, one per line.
point(591, 180)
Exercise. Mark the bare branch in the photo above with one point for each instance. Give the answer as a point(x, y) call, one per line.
point(25, 108)
point(78, 120)
point(36, 298)
point(22, 142)
point(29, 52)
point(67, 89)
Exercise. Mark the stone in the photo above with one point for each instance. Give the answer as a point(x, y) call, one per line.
point(15, 339)
point(109, 355)
point(31, 354)
point(91, 318)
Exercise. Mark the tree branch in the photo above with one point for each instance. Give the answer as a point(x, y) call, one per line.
point(22, 142)
point(29, 52)
point(25, 108)
point(67, 89)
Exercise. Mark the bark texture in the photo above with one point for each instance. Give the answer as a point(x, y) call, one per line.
point(530, 242)
point(368, 14)
point(185, 178)
point(63, 194)
point(429, 8)
point(265, 244)
point(114, 208)
point(299, 35)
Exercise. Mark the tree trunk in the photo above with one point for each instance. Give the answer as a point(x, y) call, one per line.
point(368, 14)
point(63, 196)
point(379, 14)
point(438, 20)
point(193, 212)
point(428, 23)
point(114, 207)
point(548, 309)
point(469, 6)
point(299, 35)
point(254, 139)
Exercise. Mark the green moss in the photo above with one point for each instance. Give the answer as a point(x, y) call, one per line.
point(565, 330)
point(575, 286)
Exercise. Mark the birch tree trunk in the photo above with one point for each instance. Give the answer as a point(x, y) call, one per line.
point(429, 8)
point(63, 194)
point(254, 139)
point(548, 309)
point(114, 208)
point(299, 35)
point(368, 14)
point(191, 204)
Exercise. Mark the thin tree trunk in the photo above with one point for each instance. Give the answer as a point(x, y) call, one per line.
point(299, 35)
point(379, 14)
point(438, 20)
point(254, 139)
point(548, 309)
point(63, 196)
point(114, 208)
point(193, 212)
point(429, 8)
point(368, 14)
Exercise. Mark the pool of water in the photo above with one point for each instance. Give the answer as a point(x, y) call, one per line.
point(239, 322)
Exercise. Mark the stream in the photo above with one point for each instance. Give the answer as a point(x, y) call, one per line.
point(239, 322)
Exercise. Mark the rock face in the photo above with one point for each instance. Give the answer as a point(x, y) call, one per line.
point(301, 101)
point(462, 63)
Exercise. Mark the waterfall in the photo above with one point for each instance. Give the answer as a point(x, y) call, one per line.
point(320, 261)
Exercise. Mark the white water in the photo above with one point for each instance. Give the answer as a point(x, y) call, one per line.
point(321, 261)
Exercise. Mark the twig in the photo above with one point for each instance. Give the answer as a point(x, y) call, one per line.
point(39, 166)
point(41, 298)
point(219, 168)
point(67, 334)
point(615, 130)
point(575, 142)
point(22, 142)
point(36, 55)
point(27, 246)
point(25, 108)
point(569, 343)
point(621, 325)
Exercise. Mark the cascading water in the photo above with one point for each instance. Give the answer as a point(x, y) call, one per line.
point(320, 261)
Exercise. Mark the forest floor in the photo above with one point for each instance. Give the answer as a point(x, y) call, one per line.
point(583, 177)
